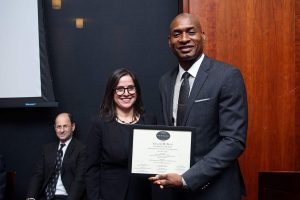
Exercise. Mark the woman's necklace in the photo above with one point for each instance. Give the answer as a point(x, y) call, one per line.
point(123, 122)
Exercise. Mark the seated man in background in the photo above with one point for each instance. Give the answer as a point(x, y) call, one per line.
point(59, 174)
point(2, 178)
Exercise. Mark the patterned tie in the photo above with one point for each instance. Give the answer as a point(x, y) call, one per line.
point(183, 98)
point(51, 187)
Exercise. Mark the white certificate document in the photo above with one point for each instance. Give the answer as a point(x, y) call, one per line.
point(159, 150)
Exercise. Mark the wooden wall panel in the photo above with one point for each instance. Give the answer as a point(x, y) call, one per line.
point(297, 90)
point(259, 37)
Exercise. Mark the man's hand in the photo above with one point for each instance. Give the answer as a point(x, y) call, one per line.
point(167, 180)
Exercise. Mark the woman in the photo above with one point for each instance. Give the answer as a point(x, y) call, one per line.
point(108, 176)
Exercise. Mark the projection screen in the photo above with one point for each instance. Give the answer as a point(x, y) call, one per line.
point(25, 78)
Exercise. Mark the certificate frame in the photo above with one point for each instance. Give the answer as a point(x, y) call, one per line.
point(164, 157)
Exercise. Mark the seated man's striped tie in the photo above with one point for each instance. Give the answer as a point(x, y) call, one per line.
point(51, 187)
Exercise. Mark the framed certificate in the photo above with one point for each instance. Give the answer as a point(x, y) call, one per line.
point(161, 149)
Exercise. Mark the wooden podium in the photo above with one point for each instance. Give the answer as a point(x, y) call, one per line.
point(281, 185)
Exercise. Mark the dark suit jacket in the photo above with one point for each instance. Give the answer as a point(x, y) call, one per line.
point(217, 107)
point(2, 178)
point(72, 173)
point(108, 175)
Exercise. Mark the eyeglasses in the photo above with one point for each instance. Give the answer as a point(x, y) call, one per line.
point(121, 90)
point(64, 127)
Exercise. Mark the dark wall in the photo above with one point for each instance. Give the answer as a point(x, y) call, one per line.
point(117, 33)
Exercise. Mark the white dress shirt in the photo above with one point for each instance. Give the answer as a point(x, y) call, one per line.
point(193, 73)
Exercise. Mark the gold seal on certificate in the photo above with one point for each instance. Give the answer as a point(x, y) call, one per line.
point(161, 149)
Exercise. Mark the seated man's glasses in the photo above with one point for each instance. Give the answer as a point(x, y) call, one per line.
point(63, 127)
point(121, 90)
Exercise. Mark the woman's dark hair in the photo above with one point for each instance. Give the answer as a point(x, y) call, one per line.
point(108, 108)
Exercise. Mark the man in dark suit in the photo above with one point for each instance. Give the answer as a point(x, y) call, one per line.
point(216, 105)
point(2, 178)
point(59, 174)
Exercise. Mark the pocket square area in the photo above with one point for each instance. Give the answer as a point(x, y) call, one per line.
point(200, 100)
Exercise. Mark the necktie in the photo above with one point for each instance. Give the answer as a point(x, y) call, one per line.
point(51, 187)
point(183, 98)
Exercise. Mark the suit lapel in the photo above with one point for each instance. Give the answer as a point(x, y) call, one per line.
point(198, 83)
point(52, 155)
point(67, 155)
point(170, 94)
point(51, 158)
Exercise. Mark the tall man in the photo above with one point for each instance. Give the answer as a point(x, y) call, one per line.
point(60, 172)
point(212, 98)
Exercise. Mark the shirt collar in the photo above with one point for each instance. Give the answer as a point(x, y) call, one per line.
point(193, 69)
point(66, 142)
